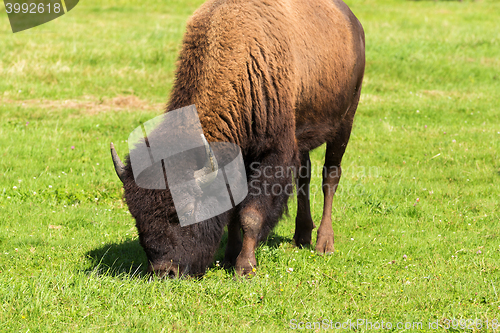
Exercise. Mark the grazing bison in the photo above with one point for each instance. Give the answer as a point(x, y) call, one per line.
point(278, 78)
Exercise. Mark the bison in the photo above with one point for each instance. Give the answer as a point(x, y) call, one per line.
point(277, 78)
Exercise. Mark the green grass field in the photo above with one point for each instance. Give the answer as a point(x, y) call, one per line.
point(416, 216)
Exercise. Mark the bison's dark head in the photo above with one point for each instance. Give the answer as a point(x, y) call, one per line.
point(173, 250)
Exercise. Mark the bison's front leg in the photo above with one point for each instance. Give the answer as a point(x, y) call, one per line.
point(252, 222)
point(269, 188)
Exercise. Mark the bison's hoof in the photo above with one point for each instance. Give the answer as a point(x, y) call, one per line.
point(302, 238)
point(228, 263)
point(245, 267)
point(301, 241)
point(246, 271)
point(324, 243)
point(303, 232)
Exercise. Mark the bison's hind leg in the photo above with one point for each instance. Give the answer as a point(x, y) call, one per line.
point(331, 176)
point(303, 222)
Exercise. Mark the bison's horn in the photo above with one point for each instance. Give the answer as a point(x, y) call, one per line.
point(206, 175)
point(119, 167)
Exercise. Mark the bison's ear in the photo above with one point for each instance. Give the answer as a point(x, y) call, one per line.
point(119, 167)
point(206, 175)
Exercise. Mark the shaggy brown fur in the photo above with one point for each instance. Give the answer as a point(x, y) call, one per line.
point(278, 78)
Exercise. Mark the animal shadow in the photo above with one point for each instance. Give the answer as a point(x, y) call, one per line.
point(128, 259)
point(118, 259)
point(274, 240)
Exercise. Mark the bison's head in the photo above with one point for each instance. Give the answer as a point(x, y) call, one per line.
point(173, 250)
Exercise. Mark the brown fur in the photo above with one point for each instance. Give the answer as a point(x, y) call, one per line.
point(278, 78)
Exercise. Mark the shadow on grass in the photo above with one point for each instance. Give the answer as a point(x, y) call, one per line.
point(274, 240)
point(119, 259)
point(128, 259)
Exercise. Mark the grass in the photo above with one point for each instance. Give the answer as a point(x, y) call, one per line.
point(416, 216)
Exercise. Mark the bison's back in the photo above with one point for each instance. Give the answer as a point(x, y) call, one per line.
point(329, 59)
point(253, 67)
